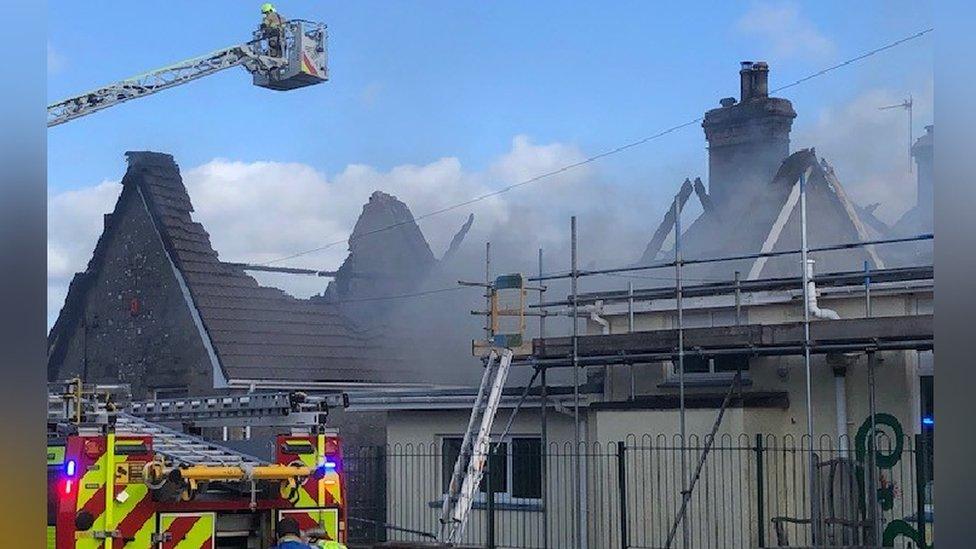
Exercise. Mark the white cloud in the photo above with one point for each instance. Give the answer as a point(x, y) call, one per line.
point(786, 32)
point(56, 61)
point(258, 211)
point(869, 147)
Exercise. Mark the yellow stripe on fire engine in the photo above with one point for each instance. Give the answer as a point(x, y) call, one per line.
point(127, 499)
point(329, 520)
point(110, 484)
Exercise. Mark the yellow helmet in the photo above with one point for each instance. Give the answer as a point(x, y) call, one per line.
point(267, 7)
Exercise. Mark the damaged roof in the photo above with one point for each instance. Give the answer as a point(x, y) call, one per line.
point(769, 221)
point(255, 332)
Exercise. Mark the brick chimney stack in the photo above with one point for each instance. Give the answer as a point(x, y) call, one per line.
point(747, 139)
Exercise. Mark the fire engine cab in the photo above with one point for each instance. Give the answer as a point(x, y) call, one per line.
point(118, 478)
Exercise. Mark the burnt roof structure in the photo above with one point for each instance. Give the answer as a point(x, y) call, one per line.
point(388, 256)
point(752, 203)
point(389, 259)
point(160, 264)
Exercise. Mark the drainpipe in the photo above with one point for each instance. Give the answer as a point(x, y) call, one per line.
point(816, 311)
point(595, 311)
point(840, 366)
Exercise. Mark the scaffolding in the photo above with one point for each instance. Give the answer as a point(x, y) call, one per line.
point(805, 347)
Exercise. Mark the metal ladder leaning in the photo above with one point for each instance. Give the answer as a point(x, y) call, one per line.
point(476, 444)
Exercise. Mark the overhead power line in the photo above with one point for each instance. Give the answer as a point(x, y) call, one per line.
point(398, 296)
point(598, 156)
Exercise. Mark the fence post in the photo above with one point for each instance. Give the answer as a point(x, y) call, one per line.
point(760, 491)
point(622, 489)
point(490, 496)
point(382, 507)
point(921, 457)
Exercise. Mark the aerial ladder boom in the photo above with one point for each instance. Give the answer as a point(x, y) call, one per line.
point(303, 63)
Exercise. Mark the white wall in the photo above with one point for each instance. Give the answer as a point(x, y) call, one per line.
point(414, 468)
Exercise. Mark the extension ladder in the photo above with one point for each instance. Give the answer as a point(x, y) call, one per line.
point(180, 447)
point(476, 444)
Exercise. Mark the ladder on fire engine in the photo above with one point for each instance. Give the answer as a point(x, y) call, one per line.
point(182, 448)
point(475, 445)
point(73, 401)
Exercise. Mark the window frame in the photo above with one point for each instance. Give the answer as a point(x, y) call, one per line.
point(505, 497)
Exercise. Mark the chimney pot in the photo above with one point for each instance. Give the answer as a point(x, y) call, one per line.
point(745, 81)
point(760, 79)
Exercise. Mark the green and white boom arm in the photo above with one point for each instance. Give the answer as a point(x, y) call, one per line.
point(160, 79)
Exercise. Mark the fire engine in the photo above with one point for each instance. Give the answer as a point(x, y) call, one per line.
point(119, 478)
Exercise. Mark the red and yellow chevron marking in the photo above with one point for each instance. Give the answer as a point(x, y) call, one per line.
point(311, 519)
point(91, 496)
point(324, 491)
point(187, 530)
point(127, 508)
point(307, 66)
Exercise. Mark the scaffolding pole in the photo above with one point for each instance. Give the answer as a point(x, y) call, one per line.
point(544, 419)
point(811, 459)
point(874, 511)
point(488, 330)
point(578, 480)
point(630, 329)
point(685, 533)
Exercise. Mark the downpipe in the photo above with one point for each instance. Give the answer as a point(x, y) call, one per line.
point(812, 307)
point(840, 380)
point(595, 310)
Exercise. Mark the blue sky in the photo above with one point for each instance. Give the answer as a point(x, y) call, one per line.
point(440, 101)
point(416, 81)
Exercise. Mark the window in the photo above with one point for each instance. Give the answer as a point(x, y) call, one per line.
point(515, 465)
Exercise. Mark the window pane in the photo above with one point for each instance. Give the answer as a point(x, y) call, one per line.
point(498, 469)
point(498, 461)
point(731, 363)
point(450, 448)
point(526, 468)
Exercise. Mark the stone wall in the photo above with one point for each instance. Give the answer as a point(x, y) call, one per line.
point(134, 325)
